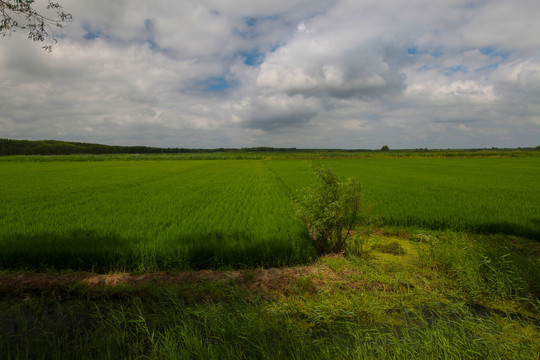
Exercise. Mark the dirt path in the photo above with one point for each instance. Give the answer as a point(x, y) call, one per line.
point(258, 280)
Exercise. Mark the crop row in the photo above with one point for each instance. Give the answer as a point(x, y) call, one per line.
point(491, 195)
point(147, 215)
point(150, 215)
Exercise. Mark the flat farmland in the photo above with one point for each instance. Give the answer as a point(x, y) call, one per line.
point(177, 214)
point(93, 248)
point(147, 215)
point(484, 195)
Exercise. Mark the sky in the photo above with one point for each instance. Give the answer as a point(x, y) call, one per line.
point(284, 73)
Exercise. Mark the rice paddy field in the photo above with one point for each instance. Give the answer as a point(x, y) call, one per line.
point(147, 215)
point(482, 195)
point(164, 214)
point(204, 257)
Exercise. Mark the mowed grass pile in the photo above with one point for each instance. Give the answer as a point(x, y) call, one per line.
point(483, 195)
point(147, 215)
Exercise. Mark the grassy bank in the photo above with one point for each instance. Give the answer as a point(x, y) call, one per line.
point(423, 296)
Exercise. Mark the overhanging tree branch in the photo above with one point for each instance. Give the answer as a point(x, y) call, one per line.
point(21, 15)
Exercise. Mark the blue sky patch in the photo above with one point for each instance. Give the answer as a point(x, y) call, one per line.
point(456, 69)
point(251, 30)
point(436, 54)
point(487, 67)
point(149, 25)
point(90, 34)
point(217, 84)
point(252, 57)
point(492, 52)
point(487, 50)
point(254, 20)
point(413, 50)
point(251, 21)
point(150, 29)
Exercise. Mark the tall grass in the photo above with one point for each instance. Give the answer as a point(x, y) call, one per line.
point(487, 269)
point(325, 326)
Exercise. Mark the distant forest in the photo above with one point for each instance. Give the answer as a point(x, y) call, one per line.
point(55, 147)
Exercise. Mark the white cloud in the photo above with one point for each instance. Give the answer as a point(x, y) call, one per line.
point(277, 111)
point(455, 93)
point(304, 73)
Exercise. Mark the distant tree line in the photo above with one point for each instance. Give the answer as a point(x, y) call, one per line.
point(55, 147)
point(267, 149)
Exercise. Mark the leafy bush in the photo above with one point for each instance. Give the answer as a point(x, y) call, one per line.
point(333, 209)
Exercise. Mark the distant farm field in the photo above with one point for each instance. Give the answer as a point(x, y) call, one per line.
point(171, 214)
point(488, 195)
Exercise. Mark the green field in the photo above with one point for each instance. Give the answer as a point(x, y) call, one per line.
point(486, 195)
point(147, 215)
point(453, 274)
point(150, 215)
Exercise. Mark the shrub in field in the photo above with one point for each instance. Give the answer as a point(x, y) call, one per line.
point(333, 209)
